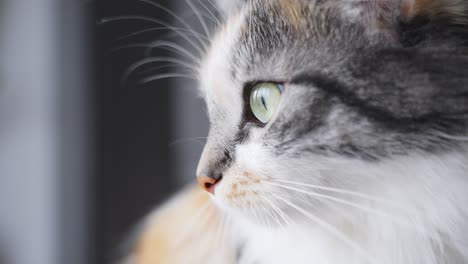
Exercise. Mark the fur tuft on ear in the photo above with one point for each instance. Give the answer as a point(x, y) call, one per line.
point(386, 12)
point(229, 6)
point(408, 10)
point(398, 20)
point(455, 10)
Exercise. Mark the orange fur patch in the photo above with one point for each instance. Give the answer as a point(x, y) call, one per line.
point(291, 10)
point(456, 9)
point(185, 231)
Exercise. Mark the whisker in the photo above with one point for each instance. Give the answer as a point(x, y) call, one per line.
point(165, 76)
point(400, 222)
point(332, 199)
point(188, 65)
point(268, 213)
point(274, 215)
point(143, 31)
point(178, 18)
point(333, 230)
point(149, 46)
point(199, 16)
point(156, 21)
point(214, 18)
point(107, 20)
point(161, 67)
point(182, 140)
point(140, 63)
point(342, 191)
point(251, 209)
point(164, 43)
point(215, 7)
point(452, 137)
point(168, 11)
point(278, 210)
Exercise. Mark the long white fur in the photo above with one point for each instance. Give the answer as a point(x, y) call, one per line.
point(425, 223)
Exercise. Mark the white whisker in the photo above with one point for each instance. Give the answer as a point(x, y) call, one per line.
point(156, 21)
point(140, 63)
point(143, 31)
point(148, 48)
point(165, 76)
point(194, 139)
point(342, 191)
point(215, 7)
point(179, 19)
point(199, 16)
point(268, 213)
point(251, 209)
point(188, 65)
point(331, 229)
point(181, 50)
point(398, 221)
point(452, 137)
point(156, 69)
point(213, 16)
point(277, 210)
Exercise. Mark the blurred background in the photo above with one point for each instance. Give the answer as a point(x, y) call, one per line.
point(100, 121)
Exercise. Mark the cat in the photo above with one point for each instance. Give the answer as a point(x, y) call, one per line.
point(338, 136)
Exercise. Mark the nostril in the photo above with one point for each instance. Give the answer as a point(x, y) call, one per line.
point(208, 183)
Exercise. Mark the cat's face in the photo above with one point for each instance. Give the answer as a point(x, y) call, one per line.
point(324, 93)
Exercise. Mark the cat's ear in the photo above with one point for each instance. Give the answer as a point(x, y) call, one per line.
point(227, 7)
point(409, 10)
point(409, 21)
point(452, 9)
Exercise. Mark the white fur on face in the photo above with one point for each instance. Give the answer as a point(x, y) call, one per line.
point(405, 210)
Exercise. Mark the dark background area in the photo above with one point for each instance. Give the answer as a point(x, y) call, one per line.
point(150, 135)
point(84, 156)
point(133, 173)
point(134, 170)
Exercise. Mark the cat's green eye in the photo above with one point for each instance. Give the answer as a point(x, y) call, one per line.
point(264, 99)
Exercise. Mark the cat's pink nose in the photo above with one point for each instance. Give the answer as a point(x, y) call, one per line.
point(208, 181)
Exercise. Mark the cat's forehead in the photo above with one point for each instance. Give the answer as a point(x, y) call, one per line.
point(272, 41)
point(241, 49)
point(216, 66)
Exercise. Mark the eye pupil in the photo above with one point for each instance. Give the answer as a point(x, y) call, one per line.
point(264, 103)
point(264, 99)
